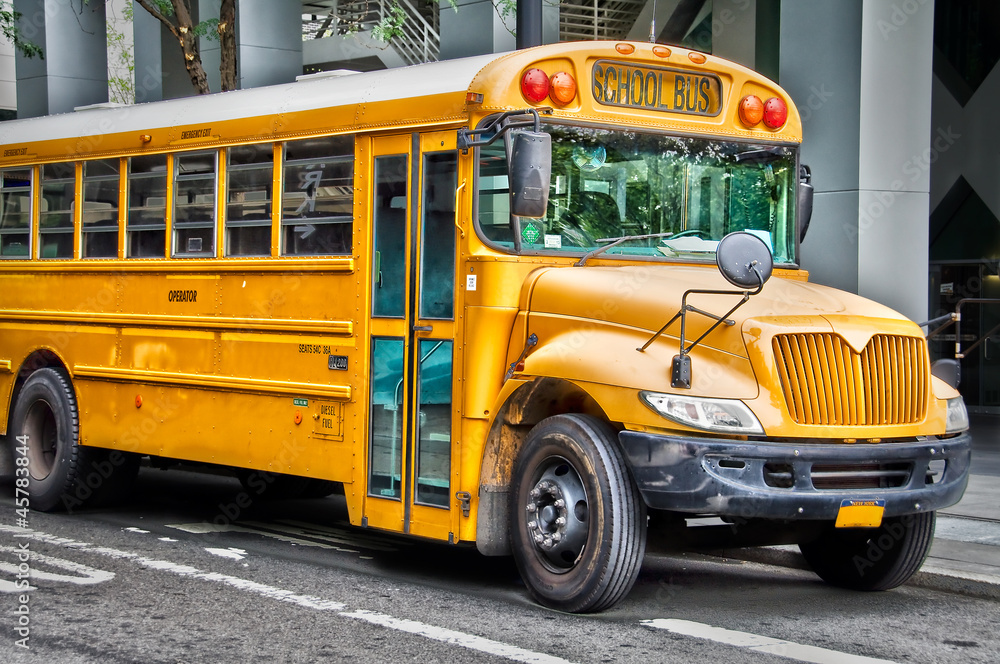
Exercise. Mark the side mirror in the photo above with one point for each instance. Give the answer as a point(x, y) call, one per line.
point(744, 260)
point(805, 200)
point(530, 168)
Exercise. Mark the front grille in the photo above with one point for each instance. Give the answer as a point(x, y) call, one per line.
point(826, 383)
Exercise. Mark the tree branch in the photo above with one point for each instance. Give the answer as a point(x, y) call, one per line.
point(149, 7)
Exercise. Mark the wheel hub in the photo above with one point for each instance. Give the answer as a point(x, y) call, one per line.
point(557, 516)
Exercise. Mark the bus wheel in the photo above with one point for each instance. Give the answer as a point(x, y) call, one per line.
point(46, 415)
point(578, 524)
point(872, 558)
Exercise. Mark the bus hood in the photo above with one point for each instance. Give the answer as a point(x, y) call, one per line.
point(590, 321)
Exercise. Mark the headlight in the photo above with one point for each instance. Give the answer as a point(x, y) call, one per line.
point(958, 417)
point(728, 415)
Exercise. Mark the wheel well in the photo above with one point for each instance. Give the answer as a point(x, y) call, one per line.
point(40, 359)
point(526, 407)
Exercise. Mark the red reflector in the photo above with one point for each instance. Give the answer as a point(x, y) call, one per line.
point(751, 110)
point(563, 88)
point(474, 97)
point(775, 113)
point(535, 85)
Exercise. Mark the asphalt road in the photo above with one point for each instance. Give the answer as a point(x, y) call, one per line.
point(162, 579)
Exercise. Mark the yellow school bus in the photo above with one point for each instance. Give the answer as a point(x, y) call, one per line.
point(544, 302)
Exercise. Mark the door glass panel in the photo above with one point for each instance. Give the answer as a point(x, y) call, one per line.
point(437, 264)
point(386, 444)
point(434, 427)
point(389, 207)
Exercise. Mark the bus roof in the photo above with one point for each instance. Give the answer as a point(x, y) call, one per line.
point(420, 96)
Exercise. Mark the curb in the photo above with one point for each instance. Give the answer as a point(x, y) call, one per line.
point(933, 575)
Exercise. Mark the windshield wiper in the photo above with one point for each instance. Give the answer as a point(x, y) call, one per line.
point(614, 242)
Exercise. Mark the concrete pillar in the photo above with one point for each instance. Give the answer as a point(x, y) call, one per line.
point(861, 77)
point(8, 83)
point(269, 38)
point(74, 71)
point(147, 35)
point(476, 29)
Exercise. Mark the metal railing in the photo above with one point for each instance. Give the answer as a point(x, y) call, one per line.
point(419, 39)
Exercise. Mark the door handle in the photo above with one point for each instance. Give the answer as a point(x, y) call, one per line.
point(423, 328)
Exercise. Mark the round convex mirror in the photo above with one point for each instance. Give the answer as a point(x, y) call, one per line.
point(741, 256)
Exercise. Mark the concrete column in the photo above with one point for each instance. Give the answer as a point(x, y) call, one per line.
point(269, 38)
point(8, 83)
point(476, 29)
point(861, 77)
point(74, 71)
point(147, 34)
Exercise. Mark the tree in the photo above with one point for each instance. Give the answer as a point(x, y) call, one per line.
point(8, 26)
point(176, 16)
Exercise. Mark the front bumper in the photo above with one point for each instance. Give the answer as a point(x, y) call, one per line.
point(794, 481)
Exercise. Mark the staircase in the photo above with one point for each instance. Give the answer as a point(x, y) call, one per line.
point(597, 19)
point(420, 40)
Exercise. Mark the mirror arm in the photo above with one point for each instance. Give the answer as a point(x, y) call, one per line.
point(471, 138)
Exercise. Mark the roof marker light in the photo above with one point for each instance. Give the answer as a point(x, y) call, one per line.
point(661, 51)
point(775, 113)
point(697, 58)
point(625, 49)
point(535, 85)
point(563, 88)
point(751, 110)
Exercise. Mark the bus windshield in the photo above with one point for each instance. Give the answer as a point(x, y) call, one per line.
point(611, 183)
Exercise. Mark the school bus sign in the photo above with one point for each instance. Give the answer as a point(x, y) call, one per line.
point(656, 88)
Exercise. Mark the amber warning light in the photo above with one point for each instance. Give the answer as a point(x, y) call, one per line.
point(536, 86)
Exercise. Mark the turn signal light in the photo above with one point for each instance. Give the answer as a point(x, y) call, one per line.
point(751, 110)
point(775, 113)
point(535, 85)
point(563, 88)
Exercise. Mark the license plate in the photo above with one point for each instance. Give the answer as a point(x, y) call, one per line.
point(860, 514)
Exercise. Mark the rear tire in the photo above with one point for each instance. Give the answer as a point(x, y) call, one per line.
point(62, 473)
point(578, 524)
point(872, 558)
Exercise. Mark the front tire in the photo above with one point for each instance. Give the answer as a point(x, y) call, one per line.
point(872, 558)
point(578, 524)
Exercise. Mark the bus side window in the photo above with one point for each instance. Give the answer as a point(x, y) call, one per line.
point(194, 204)
point(100, 208)
point(15, 213)
point(147, 206)
point(249, 177)
point(55, 228)
point(317, 203)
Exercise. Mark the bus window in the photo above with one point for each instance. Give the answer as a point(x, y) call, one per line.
point(389, 209)
point(55, 228)
point(249, 176)
point(100, 208)
point(437, 264)
point(15, 213)
point(194, 204)
point(147, 206)
point(318, 197)
point(494, 196)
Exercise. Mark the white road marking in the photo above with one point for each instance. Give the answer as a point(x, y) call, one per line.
point(133, 529)
point(469, 641)
point(83, 575)
point(231, 553)
point(755, 642)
